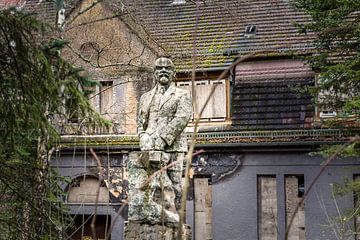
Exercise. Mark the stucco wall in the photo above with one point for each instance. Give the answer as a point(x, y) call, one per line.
point(235, 198)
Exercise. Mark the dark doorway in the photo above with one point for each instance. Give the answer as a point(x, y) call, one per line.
point(82, 227)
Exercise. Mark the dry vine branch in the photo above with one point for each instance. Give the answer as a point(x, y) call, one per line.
point(163, 169)
point(324, 166)
point(197, 120)
point(109, 88)
point(116, 218)
point(197, 117)
point(93, 4)
point(101, 174)
point(188, 156)
point(98, 65)
point(77, 229)
point(93, 21)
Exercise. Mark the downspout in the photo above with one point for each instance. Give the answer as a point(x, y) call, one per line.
point(232, 78)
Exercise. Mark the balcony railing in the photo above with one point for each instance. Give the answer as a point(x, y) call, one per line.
point(222, 137)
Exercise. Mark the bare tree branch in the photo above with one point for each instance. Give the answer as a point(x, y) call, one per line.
point(125, 203)
point(138, 56)
point(121, 83)
point(93, 21)
point(98, 65)
point(93, 4)
point(163, 169)
point(101, 174)
point(83, 224)
point(198, 116)
point(322, 169)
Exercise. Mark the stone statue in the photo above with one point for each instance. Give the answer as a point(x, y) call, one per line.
point(163, 114)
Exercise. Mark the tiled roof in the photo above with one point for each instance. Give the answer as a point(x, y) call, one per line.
point(44, 10)
point(11, 3)
point(220, 28)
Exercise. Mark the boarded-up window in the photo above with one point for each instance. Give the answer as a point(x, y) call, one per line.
point(106, 97)
point(267, 208)
point(216, 109)
point(203, 209)
point(294, 190)
point(84, 190)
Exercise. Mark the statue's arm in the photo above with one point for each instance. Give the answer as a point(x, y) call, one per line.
point(141, 118)
point(178, 123)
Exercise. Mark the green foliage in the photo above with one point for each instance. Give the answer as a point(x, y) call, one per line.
point(336, 58)
point(352, 150)
point(35, 83)
point(337, 51)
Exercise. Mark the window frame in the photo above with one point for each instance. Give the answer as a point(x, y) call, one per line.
point(210, 82)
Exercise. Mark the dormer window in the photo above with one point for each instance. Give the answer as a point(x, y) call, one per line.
point(178, 2)
point(250, 31)
point(327, 114)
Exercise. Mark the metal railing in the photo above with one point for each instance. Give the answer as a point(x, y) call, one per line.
point(221, 137)
point(275, 134)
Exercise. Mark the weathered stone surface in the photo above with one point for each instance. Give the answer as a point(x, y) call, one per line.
point(162, 117)
point(164, 112)
point(117, 183)
point(154, 199)
point(152, 203)
point(140, 231)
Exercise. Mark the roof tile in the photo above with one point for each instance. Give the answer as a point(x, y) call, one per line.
point(220, 28)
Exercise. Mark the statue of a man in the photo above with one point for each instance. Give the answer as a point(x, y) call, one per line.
point(155, 196)
point(163, 115)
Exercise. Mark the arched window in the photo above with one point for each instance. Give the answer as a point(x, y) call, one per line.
point(90, 50)
point(84, 190)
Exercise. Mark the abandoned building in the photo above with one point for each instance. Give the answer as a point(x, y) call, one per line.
point(256, 132)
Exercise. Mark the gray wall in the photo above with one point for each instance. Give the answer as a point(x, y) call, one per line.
point(75, 165)
point(235, 198)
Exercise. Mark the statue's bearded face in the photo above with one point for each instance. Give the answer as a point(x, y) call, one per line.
point(164, 74)
point(164, 70)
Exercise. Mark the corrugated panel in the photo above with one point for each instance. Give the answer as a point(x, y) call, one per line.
point(266, 95)
point(283, 68)
point(220, 28)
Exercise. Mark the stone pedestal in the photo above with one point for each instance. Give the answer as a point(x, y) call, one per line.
point(152, 213)
point(141, 231)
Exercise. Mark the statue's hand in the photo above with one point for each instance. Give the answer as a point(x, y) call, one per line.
point(146, 142)
point(159, 144)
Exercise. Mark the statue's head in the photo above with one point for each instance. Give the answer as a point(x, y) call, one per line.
point(164, 70)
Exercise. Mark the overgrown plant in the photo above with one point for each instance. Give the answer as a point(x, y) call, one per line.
point(336, 59)
point(36, 84)
point(336, 55)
